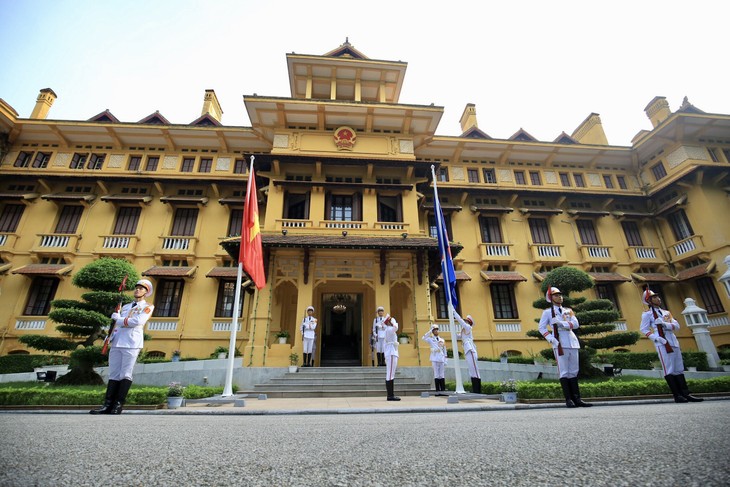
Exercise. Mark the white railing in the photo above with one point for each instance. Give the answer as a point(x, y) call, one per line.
point(390, 226)
point(55, 241)
point(619, 326)
point(645, 252)
point(343, 224)
point(496, 249)
point(599, 252)
point(30, 324)
point(547, 250)
point(176, 243)
point(296, 223)
point(225, 326)
point(3, 239)
point(719, 320)
point(684, 246)
point(511, 327)
point(161, 325)
point(116, 242)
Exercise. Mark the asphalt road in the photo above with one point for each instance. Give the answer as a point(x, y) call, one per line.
point(657, 445)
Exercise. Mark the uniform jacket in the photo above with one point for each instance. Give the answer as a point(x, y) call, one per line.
point(467, 339)
point(670, 325)
point(309, 324)
point(129, 324)
point(438, 347)
point(379, 327)
point(562, 315)
point(390, 348)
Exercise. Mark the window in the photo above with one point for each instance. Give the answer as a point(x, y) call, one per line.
point(621, 182)
point(342, 207)
point(565, 179)
point(433, 230)
point(235, 223)
point(608, 291)
point(206, 164)
point(296, 206)
point(134, 163)
point(78, 161)
point(442, 312)
point(491, 231)
point(152, 162)
point(680, 225)
point(579, 181)
point(41, 160)
point(184, 222)
point(187, 164)
point(42, 292)
point(68, 220)
point(239, 166)
point(540, 230)
point(708, 293)
point(389, 209)
point(535, 178)
point(443, 174)
point(608, 181)
point(127, 219)
point(503, 301)
point(473, 175)
point(520, 177)
point(226, 298)
point(658, 171)
point(587, 232)
point(23, 159)
point(489, 176)
point(169, 296)
point(96, 161)
point(10, 218)
point(632, 233)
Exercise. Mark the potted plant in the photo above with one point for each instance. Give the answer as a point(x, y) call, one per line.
point(176, 355)
point(219, 352)
point(656, 365)
point(503, 358)
point(725, 364)
point(174, 395)
point(293, 361)
point(282, 336)
point(508, 388)
point(403, 338)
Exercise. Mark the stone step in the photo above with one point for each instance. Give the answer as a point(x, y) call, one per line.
point(336, 381)
point(341, 387)
point(343, 393)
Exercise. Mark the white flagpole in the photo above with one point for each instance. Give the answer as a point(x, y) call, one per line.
point(228, 387)
point(454, 343)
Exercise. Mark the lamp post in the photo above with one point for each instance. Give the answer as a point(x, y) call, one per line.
point(696, 319)
point(725, 278)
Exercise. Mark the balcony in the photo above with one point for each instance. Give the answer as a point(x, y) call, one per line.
point(719, 319)
point(176, 246)
point(547, 253)
point(687, 248)
point(392, 226)
point(224, 325)
point(116, 244)
point(30, 324)
point(7, 242)
point(163, 324)
point(496, 253)
point(597, 254)
point(290, 223)
point(57, 242)
point(343, 224)
point(644, 255)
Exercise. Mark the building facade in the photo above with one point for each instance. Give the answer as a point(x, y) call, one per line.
point(346, 208)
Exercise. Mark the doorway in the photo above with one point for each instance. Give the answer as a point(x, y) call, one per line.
point(341, 333)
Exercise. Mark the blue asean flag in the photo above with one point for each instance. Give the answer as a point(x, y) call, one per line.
point(447, 263)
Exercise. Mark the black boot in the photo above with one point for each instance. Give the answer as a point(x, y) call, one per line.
point(565, 384)
point(684, 390)
point(111, 393)
point(476, 385)
point(124, 386)
point(441, 386)
point(307, 359)
point(674, 387)
point(381, 359)
point(576, 393)
point(389, 386)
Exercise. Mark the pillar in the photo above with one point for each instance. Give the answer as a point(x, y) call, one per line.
point(696, 319)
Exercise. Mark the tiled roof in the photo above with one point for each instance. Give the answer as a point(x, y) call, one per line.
point(226, 272)
point(652, 277)
point(345, 242)
point(608, 277)
point(69, 196)
point(696, 271)
point(170, 271)
point(460, 276)
point(501, 276)
point(140, 198)
point(43, 269)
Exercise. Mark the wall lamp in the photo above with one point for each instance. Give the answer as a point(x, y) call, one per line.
point(283, 231)
point(344, 233)
point(404, 235)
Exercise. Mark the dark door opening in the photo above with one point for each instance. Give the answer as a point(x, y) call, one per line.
point(341, 333)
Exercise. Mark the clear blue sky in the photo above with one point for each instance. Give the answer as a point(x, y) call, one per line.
point(540, 65)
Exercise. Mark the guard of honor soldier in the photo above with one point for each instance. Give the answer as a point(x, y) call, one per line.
point(438, 356)
point(658, 325)
point(125, 343)
point(379, 333)
point(565, 347)
point(309, 324)
point(390, 352)
point(470, 351)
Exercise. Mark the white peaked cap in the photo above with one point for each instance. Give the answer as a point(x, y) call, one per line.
point(550, 292)
point(147, 284)
point(646, 296)
point(310, 307)
point(380, 308)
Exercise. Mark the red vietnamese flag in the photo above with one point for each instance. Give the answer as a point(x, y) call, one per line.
point(251, 254)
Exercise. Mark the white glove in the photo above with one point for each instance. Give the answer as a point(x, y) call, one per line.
point(668, 326)
point(116, 316)
point(552, 341)
point(659, 321)
point(657, 339)
point(555, 321)
point(565, 325)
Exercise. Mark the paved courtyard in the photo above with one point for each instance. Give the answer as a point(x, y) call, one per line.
point(660, 444)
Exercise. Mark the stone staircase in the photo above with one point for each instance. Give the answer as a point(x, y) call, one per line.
point(338, 382)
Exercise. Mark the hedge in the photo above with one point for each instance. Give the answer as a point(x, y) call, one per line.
point(633, 360)
point(16, 364)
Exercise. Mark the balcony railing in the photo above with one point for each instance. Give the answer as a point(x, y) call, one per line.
point(54, 242)
point(596, 253)
point(175, 245)
point(687, 246)
point(393, 226)
point(30, 324)
point(508, 327)
point(162, 324)
point(496, 252)
point(221, 324)
point(719, 319)
point(344, 224)
point(642, 253)
point(117, 244)
point(7, 240)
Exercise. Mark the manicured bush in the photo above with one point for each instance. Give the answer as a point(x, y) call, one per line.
point(199, 392)
point(16, 364)
point(643, 360)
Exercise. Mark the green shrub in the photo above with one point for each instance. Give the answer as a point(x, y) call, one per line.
point(199, 392)
point(643, 360)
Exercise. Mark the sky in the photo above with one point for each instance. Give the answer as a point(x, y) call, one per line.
point(542, 66)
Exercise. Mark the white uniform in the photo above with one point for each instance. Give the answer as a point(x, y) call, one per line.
point(390, 348)
point(470, 350)
point(671, 362)
point(566, 322)
point(438, 353)
point(379, 331)
point(127, 338)
point(309, 324)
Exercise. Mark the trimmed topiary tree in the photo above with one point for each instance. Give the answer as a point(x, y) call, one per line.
point(84, 322)
point(596, 317)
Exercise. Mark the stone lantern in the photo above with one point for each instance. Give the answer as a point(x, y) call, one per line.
point(725, 278)
point(696, 319)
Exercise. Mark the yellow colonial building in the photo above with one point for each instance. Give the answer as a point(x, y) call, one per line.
point(346, 208)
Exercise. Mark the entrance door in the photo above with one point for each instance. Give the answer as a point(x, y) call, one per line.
point(341, 333)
